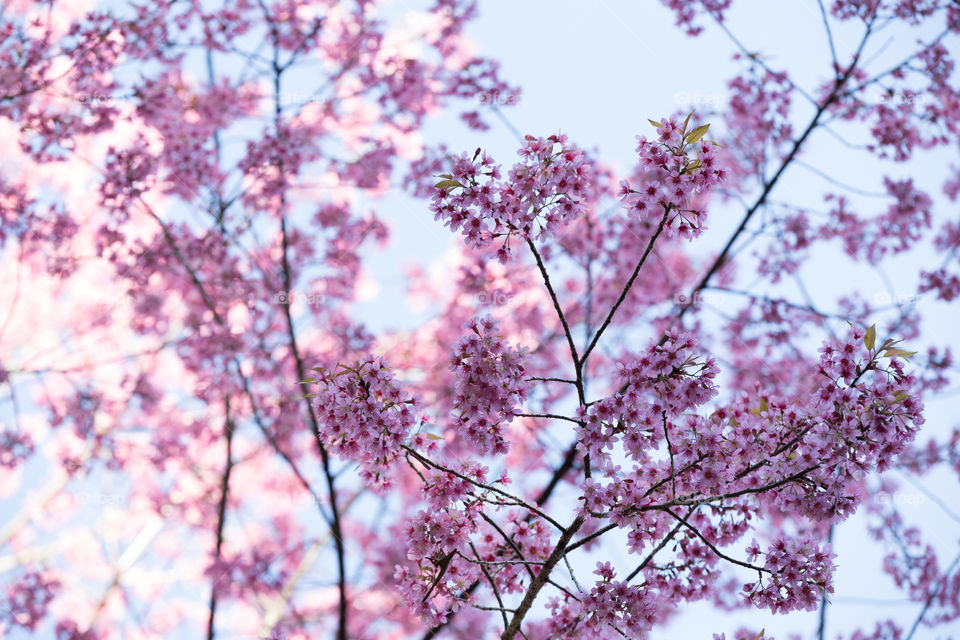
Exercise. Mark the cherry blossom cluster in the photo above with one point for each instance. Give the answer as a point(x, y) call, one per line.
point(945, 284)
point(915, 99)
point(611, 607)
point(758, 115)
point(880, 406)
point(847, 9)
point(127, 176)
point(69, 630)
point(863, 413)
point(439, 569)
point(893, 231)
point(437, 541)
point(911, 560)
point(687, 10)
point(364, 415)
point(14, 448)
point(489, 385)
point(187, 119)
point(527, 540)
point(797, 572)
point(453, 543)
point(675, 170)
point(942, 281)
point(433, 605)
point(922, 458)
point(442, 488)
point(664, 381)
point(271, 165)
point(815, 447)
point(785, 255)
point(548, 188)
point(27, 601)
point(894, 134)
point(805, 454)
point(909, 10)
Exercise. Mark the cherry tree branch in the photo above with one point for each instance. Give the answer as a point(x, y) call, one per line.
point(274, 610)
point(565, 466)
point(711, 546)
point(517, 500)
point(563, 318)
point(218, 318)
point(336, 529)
point(829, 31)
point(822, 623)
point(626, 287)
point(221, 514)
point(550, 416)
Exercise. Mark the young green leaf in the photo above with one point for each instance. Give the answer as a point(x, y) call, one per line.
point(697, 133)
point(898, 353)
point(900, 397)
point(870, 337)
point(763, 407)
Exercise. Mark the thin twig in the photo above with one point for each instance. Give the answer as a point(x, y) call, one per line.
point(930, 598)
point(519, 501)
point(627, 286)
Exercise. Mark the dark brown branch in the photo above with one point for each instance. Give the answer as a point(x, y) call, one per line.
point(551, 416)
point(626, 287)
point(822, 624)
point(335, 528)
point(713, 547)
point(666, 540)
point(221, 513)
point(673, 470)
point(564, 380)
point(577, 361)
point(509, 541)
point(559, 472)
